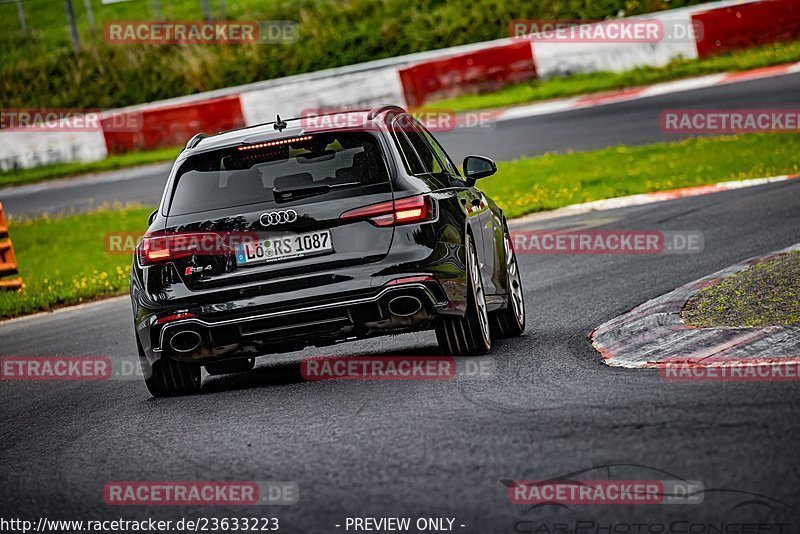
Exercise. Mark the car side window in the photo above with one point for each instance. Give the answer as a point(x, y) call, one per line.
point(412, 161)
point(423, 149)
point(440, 152)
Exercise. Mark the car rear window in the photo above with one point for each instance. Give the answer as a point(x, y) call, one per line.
point(280, 170)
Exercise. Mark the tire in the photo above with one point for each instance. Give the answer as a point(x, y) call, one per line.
point(469, 335)
point(239, 365)
point(168, 377)
point(510, 321)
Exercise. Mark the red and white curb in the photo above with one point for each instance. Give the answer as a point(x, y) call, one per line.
point(653, 334)
point(646, 198)
point(637, 93)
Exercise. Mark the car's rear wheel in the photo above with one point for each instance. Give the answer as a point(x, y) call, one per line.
point(468, 335)
point(239, 365)
point(168, 377)
point(510, 321)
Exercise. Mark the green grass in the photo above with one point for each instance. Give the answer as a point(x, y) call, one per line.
point(64, 261)
point(60, 170)
point(555, 180)
point(47, 20)
point(765, 294)
point(42, 70)
point(764, 56)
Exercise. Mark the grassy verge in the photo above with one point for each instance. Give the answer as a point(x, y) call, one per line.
point(64, 260)
point(765, 294)
point(740, 60)
point(555, 180)
point(61, 170)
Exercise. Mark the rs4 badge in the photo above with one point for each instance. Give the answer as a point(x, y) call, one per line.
point(195, 270)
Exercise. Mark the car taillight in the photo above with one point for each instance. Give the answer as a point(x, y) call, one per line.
point(175, 317)
point(159, 248)
point(411, 280)
point(408, 210)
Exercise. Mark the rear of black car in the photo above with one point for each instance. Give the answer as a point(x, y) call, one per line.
point(273, 244)
point(288, 200)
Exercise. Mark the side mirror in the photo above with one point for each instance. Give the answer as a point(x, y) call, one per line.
point(476, 167)
point(152, 217)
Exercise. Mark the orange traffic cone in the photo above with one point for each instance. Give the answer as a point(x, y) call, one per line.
point(8, 262)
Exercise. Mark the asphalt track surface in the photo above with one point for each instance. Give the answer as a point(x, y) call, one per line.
point(434, 448)
point(629, 123)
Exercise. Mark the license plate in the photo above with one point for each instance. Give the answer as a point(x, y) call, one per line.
point(284, 248)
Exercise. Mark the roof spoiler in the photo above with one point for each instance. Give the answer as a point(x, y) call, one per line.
point(195, 140)
point(374, 112)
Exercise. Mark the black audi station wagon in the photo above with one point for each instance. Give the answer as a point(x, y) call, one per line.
point(283, 235)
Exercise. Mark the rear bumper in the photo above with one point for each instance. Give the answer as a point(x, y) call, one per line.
point(249, 331)
point(295, 310)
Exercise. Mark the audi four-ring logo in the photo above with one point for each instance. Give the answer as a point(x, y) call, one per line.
point(272, 218)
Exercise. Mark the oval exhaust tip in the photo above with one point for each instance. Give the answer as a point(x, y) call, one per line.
point(185, 341)
point(404, 306)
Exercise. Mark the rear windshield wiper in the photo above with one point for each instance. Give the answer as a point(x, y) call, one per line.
point(283, 195)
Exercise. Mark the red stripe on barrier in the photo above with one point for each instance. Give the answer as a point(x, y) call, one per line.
point(747, 25)
point(480, 70)
point(173, 125)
